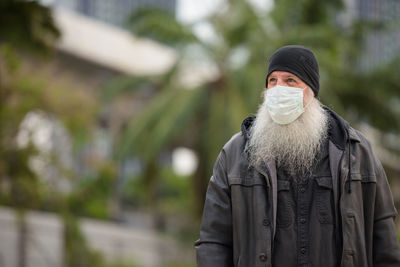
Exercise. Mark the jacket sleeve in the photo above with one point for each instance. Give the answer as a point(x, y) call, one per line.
point(386, 247)
point(214, 248)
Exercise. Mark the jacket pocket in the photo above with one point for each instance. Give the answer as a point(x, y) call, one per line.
point(247, 181)
point(323, 198)
point(348, 258)
point(285, 213)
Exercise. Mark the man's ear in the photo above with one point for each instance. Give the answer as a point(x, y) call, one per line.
point(308, 94)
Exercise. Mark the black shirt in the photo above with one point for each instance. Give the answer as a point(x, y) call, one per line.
point(305, 217)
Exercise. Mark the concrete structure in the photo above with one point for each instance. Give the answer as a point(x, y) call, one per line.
point(44, 244)
point(110, 46)
point(116, 242)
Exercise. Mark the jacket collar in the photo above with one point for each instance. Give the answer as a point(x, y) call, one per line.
point(338, 129)
point(246, 127)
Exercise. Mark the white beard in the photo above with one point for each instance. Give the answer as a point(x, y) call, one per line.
point(293, 146)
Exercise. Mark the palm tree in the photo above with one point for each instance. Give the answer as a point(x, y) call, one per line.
point(216, 106)
point(204, 117)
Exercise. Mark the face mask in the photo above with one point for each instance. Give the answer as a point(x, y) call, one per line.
point(284, 104)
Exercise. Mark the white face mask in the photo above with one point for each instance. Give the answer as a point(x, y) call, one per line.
point(284, 103)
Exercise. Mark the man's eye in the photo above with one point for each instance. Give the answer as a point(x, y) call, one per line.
point(272, 80)
point(290, 80)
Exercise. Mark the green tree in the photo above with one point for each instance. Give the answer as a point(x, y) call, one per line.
point(30, 26)
point(27, 25)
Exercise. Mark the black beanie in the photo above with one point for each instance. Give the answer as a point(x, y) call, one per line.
point(298, 60)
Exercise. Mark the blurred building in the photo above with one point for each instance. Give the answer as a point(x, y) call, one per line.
point(383, 44)
point(115, 12)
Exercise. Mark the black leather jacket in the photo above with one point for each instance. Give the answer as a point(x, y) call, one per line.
point(239, 217)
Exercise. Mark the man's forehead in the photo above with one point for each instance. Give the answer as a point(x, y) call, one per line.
point(282, 73)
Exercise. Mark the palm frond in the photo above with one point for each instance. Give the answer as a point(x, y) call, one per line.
point(168, 114)
point(127, 84)
point(122, 85)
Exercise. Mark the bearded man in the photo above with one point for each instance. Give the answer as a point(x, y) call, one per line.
point(298, 186)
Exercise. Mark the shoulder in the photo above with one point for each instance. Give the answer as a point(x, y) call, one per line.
point(236, 140)
point(231, 155)
point(357, 136)
point(361, 141)
point(363, 153)
point(235, 145)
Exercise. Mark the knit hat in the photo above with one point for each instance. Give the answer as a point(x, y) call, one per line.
point(298, 60)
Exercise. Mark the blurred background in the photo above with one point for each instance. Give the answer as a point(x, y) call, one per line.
point(114, 111)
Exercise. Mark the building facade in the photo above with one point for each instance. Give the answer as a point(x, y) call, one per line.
point(114, 12)
point(382, 44)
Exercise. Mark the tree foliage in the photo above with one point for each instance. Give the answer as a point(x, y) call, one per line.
point(27, 24)
point(27, 29)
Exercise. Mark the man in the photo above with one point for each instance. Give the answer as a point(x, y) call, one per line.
point(298, 186)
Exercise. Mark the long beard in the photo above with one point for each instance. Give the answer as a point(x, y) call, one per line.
point(293, 146)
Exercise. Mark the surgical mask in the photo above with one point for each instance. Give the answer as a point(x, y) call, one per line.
point(284, 103)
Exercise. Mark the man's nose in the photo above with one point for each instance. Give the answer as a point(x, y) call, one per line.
point(280, 82)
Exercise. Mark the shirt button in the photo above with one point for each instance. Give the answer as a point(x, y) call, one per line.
point(303, 221)
point(303, 251)
point(265, 222)
point(263, 257)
